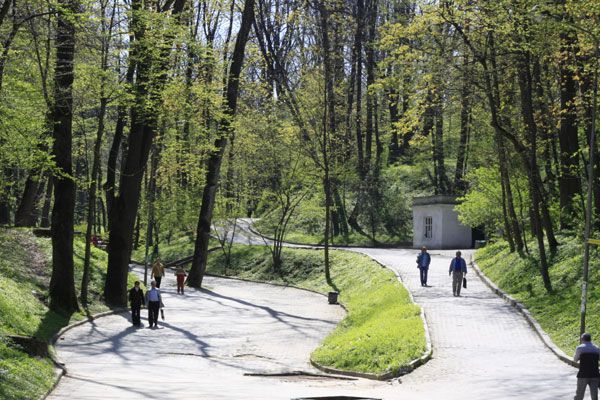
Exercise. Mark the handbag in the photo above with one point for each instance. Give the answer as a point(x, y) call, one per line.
point(465, 283)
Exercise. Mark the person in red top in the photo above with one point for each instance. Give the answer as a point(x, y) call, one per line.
point(180, 274)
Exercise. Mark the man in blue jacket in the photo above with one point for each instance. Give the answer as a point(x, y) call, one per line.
point(458, 269)
point(423, 261)
point(587, 355)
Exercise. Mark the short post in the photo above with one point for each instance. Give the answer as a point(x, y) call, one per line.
point(332, 297)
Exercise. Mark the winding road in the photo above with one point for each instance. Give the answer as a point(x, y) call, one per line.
point(211, 339)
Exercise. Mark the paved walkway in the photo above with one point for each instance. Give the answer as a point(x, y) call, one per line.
point(483, 349)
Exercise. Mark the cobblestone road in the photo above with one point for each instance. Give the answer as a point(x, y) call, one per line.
point(483, 349)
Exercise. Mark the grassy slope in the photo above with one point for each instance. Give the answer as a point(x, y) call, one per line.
point(24, 276)
point(354, 239)
point(179, 247)
point(558, 312)
point(383, 329)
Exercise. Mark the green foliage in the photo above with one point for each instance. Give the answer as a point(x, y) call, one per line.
point(21, 376)
point(557, 312)
point(24, 277)
point(383, 330)
point(482, 204)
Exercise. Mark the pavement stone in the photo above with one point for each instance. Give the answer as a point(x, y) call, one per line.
point(482, 348)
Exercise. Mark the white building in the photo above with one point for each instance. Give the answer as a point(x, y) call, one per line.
point(436, 225)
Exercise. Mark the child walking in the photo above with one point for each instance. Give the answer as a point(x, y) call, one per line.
point(180, 274)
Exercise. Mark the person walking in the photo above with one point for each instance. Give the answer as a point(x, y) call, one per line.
point(423, 261)
point(587, 355)
point(136, 299)
point(154, 303)
point(180, 274)
point(458, 269)
point(158, 271)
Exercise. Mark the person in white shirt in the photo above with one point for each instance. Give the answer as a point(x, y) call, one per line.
point(154, 303)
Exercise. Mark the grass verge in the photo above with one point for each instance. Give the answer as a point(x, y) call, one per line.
point(383, 330)
point(25, 268)
point(557, 312)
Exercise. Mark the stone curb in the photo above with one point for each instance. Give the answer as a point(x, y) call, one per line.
point(60, 369)
point(526, 314)
point(379, 377)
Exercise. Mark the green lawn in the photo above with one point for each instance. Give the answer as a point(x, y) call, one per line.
point(25, 270)
point(557, 312)
point(383, 330)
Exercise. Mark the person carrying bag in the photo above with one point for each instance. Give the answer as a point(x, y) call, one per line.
point(458, 270)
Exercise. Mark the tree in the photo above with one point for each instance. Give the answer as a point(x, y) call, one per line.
point(225, 131)
point(62, 284)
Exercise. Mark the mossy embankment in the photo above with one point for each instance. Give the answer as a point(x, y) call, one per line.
point(25, 269)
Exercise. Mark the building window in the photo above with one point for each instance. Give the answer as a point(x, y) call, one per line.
point(428, 227)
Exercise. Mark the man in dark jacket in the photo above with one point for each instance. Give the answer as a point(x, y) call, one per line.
point(423, 261)
point(587, 355)
point(458, 269)
point(136, 299)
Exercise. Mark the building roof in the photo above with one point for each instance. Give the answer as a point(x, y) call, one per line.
point(438, 199)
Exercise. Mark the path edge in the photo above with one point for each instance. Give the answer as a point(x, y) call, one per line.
point(60, 369)
point(537, 328)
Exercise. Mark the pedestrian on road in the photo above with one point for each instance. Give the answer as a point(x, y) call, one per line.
point(136, 299)
point(180, 274)
point(158, 271)
point(154, 303)
point(423, 261)
point(587, 355)
point(458, 269)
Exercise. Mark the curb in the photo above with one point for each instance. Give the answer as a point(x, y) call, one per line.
point(60, 368)
point(403, 370)
point(527, 315)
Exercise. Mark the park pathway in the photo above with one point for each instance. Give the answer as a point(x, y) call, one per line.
point(483, 349)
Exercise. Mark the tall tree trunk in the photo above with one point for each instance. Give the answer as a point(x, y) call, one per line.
point(537, 200)
point(370, 66)
point(25, 215)
point(569, 182)
point(214, 161)
point(113, 155)
point(392, 100)
point(62, 281)
point(358, 39)
point(465, 121)
point(443, 185)
point(96, 172)
point(91, 206)
point(45, 223)
point(511, 220)
point(144, 121)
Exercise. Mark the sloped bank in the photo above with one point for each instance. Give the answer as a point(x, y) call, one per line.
point(555, 316)
point(382, 336)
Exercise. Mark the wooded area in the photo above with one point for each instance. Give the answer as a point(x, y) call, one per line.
point(139, 120)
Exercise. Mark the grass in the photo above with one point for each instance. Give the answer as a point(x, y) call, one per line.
point(557, 312)
point(383, 330)
point(25, 269)
point(353, 239)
